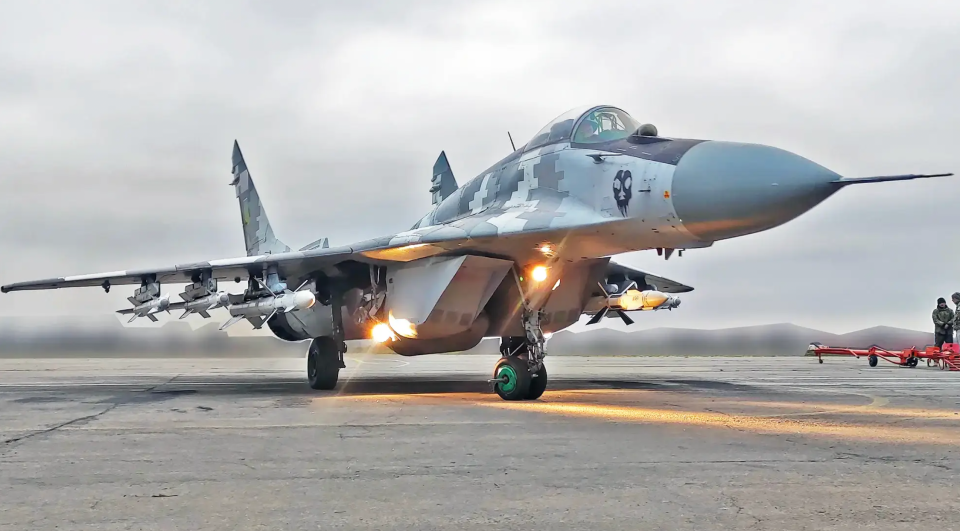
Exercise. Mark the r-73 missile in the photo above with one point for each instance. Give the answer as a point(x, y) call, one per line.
point(148, 308)
point(203, 304)
point(261, 310)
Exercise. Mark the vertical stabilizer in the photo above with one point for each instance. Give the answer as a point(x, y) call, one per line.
point(257, 233)
point(443, 181)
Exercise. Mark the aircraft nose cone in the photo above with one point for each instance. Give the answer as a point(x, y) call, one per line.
point(727, 189)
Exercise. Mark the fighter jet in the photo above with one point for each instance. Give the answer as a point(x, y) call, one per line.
point(520, 251)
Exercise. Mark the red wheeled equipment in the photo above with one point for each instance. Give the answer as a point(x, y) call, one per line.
point(947, 358)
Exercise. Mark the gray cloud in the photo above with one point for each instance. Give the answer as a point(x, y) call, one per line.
point(119, 118)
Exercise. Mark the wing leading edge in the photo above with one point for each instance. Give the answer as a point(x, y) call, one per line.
point(646, 280)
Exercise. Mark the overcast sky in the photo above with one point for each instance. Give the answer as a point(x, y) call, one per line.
point(118, 120)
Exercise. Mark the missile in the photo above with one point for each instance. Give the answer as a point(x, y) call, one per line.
point(261, 310)
point(203, 305)
point(630, 300)
point(148, 308)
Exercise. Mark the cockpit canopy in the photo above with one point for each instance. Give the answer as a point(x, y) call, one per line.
point(586, 125)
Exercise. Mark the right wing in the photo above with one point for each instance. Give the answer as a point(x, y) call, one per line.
point(494, 233)
point(646, 280)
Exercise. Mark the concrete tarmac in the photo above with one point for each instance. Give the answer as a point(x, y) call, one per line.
point(423, 443)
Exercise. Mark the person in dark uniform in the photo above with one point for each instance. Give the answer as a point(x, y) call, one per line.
point(943, 323)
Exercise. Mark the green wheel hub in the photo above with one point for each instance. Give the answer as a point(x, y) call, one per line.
point(508, 379)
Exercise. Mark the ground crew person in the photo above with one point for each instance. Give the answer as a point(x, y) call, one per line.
point(956, 314)
point(943, 318)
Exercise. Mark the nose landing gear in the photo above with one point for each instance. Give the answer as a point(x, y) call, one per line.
point(520, 374)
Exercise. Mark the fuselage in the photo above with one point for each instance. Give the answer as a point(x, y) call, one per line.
point(653, 192)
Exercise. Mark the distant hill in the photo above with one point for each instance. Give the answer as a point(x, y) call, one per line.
point(105, 336)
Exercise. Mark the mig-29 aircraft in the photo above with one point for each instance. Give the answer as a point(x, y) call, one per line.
point(520, 251)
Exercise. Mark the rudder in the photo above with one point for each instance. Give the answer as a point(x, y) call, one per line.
point(257, 233)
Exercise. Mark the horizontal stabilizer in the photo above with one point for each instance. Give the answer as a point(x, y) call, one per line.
point(322, 243)
point(888, 178)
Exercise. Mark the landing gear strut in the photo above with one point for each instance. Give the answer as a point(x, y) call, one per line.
point(520, 374)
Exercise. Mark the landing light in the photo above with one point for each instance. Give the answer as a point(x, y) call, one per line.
point(402, 326)
point(539, 273)
point(381, 333)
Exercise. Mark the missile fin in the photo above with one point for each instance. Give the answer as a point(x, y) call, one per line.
point(204, 314)
point(626, 318)
point(134, 316)
point(256, 321)
point(267, 319)
point(185, 313)
point(133, 301)
point(233, 320)
point(599, 315)
point(151, 317)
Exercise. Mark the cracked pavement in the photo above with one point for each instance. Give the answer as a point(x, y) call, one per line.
point(616, 443)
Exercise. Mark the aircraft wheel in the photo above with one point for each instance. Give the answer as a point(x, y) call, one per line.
point(323, 364)
point(514, 378)
point(872, 360)
point(538, 383)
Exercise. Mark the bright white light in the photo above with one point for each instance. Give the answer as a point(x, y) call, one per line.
point(402, 327)
point(546, 249)
point(539, 273)
point(557, 285)
point(381, 333)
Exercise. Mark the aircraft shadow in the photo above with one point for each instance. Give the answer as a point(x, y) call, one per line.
point(261, 386)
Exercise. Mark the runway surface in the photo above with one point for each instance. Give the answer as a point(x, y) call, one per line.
point(423, 443)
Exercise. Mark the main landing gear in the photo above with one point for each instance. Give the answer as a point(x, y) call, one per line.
point(325, 356)
point(324, 361)
point(520, 374)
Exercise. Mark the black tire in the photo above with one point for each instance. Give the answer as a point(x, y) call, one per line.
point(323, 364)
point(821, 360)
point(516, 375)
point(914, 361)
point(538, 383)
point(872, 360)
